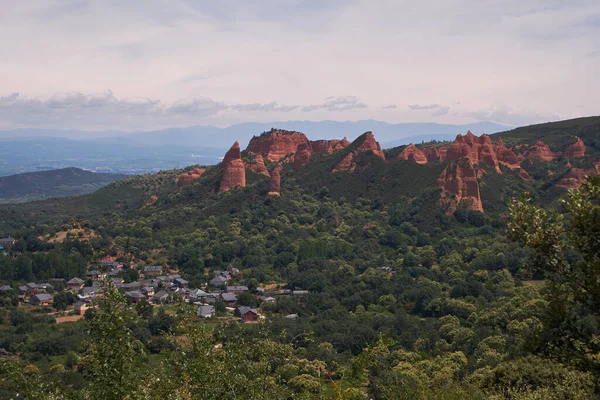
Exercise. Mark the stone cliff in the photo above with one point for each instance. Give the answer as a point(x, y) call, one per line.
point(459, 185)
point(276, 144)
point(234, 171)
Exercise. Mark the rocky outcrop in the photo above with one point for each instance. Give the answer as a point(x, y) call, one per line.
point(432, 154)
point(275, 182)
point(369, 143)
point(276, 144)
point(302, 156)
point(347, 164)
point(339, 144)
point(234, 171)
point(412, 153)
point(525, 175)
point(572, 179)
point(575, 176)
point(257, 165)
point(476, 149)
point(575, 150)
point(540, 151)
point(188, 177)
point(505, 155)
point(322, 146)
point(459, 185)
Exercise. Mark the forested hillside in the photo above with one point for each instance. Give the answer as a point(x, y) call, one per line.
point(65, 182)
point(373, 276)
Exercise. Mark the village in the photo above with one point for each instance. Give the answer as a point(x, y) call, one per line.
point(158, 286)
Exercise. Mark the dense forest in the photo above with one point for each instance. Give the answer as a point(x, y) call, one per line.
point(404, 300)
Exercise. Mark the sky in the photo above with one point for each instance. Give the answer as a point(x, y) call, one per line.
point(144, 65)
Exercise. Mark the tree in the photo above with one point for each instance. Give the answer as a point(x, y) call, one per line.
point(63, 299)
point(567, 251)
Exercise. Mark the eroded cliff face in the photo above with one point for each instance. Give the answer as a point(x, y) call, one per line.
point(188, 177)
point(322, 146)
point(369, 143)
point(476, 149)
point(275, 182)
point(276, 144)
point(575, 176)
point(257, 165)
point(505, 155)
point(412, 153)
point(432, 154)
point(459, 185)
point(347, 164)
point(234, 171)
point(575, 150)
point(302, 156)
point(540, 151)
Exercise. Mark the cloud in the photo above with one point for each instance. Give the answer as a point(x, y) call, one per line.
point(389, 107)
point(76, 109)
point(436, 109)
point(512, 116)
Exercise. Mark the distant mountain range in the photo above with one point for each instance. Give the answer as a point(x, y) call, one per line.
point(26, 150)
point(32, 186)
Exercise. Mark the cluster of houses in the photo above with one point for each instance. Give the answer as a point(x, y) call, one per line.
point(154, 287)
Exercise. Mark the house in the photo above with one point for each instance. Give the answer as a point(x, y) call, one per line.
point(197, 295)
point(5, 289)
point(180, 282)
point(299, 292)
point(206, 311)
point(75, 284)
point(224, 274)
point(237, 289)
point(110, 265)
point(291, 316)
point(267, 299)
point(117, 280)
point(95, 274)
point(7, 243)
point(45, 286)
point(160, 297)
point(218, 280)
point(247, 314)
point(153, 270)
point(148, 291)
point(89, 292)
point(81, 307)
point(135, 296)
point(41, 299)
point(171, 278)
point(228, 298)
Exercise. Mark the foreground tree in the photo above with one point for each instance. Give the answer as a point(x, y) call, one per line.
point(567, 253)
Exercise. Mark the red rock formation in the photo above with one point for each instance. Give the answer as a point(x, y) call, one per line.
point(412, 153)
point(347, 164)
point(540, 151)
point(234, 171)
point(302, 155)
point(505, 155)
point(577, 149)
point(258, 165)
point(573, 178)
point(525, 175)
point(370, 143)
point(276, 144)
point(188, 177)
point(476, 149)
point(459, 183)
point(275, 182)
point(432, 154)
point(322, 146)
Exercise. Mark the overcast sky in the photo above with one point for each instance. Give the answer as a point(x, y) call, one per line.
point(158, 63)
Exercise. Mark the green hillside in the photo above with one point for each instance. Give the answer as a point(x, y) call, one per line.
point(65, 182)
